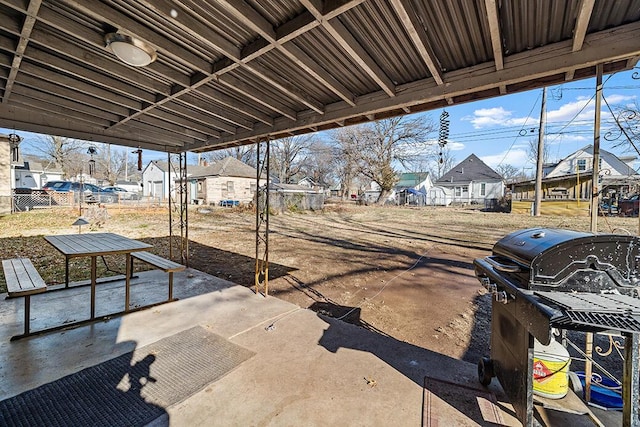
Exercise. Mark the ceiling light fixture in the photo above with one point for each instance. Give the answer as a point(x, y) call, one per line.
point(130, 50)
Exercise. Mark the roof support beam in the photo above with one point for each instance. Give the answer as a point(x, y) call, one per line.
point(519, 68)
point(25, 35)
point(494, 29)
point(350, 45)
point(246, 14)
point(585, 9)
point(50, 123)
point(419, 38)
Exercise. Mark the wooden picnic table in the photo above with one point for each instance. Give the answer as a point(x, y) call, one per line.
point(94, 245)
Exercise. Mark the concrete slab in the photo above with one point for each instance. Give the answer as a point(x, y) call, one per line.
point(307, 369)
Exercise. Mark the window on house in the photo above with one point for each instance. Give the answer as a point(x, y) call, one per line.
point(199, 186)
point(230, 186)
point(582, 165)
point(483, 189)
point(458, 191)
point(465, 189)
point(252, 187)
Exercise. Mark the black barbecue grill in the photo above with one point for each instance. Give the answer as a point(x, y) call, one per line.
point(548, 278)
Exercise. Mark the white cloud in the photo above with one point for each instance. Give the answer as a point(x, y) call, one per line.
point(497, 116)
point(455, 146)
point(579, 111)
point(516, 158)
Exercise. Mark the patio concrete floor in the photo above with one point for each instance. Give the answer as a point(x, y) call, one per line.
point(307, 369)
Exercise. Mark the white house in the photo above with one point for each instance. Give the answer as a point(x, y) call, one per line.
point(33, 174)
point(471, 181)
point(571, 178)
point(158, 179)
point(581, 162)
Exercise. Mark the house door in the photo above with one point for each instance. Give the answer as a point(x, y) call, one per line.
point(157, 190)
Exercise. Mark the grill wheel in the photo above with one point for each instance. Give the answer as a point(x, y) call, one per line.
point(485, 371)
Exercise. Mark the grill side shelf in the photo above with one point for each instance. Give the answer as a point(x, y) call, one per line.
point(599, 311)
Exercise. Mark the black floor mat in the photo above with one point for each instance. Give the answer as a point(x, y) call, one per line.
point(132, 389)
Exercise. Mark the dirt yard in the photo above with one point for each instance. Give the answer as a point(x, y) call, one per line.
point(404, 272)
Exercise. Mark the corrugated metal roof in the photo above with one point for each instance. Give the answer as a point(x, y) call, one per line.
point(234, 72)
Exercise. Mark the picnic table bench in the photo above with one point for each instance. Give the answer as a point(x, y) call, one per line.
point(160, 263)
point(22, 281)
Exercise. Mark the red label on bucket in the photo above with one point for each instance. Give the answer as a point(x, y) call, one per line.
point(540, 371)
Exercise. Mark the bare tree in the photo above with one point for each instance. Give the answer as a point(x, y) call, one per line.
point(289, 156)
point(626, 131)
point(321, 162)
point(444, 161)
point(373, 149)
point(532, 152)
point(66, 153)
point(244, 153)
point(508, 172)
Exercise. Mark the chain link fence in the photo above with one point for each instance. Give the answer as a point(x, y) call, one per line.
point(24, 200)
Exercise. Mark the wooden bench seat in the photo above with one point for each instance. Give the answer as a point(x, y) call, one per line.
point(22, 281)
point(160, 263)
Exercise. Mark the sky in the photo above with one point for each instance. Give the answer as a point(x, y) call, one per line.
point(500, 130)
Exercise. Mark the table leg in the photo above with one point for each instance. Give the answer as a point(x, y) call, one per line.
point(127, 281)
point(66, 272)
point(94, 278)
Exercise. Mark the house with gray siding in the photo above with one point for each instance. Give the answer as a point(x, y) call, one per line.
point(471, 181)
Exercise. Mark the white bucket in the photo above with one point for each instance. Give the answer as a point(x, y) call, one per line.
point(550, 367)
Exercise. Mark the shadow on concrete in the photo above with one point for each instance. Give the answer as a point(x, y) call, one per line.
point(415, 363)
point(93, 396)
point(235, 267)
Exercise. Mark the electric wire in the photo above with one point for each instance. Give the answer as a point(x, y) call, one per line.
point(517, 136)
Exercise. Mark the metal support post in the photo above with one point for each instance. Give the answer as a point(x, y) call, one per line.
point(631, 381)
point(178, 214)
point(262, 217)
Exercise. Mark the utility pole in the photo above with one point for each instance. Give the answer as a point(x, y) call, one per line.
point(543, 120)
point(595, 194)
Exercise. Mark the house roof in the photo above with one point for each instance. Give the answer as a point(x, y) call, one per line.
point(470, 169)
point(229, 166)
point(291, 188)
point(231, 73)
point(36, 164)
point(411, 179)
point(164, 167)
point(612, 160)
point(620, 167)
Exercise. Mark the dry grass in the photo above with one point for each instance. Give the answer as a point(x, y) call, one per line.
point(231, 231)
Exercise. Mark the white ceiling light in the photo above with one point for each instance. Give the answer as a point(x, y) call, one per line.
point(130, 50)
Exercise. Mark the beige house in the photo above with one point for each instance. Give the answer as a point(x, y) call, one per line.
point(6, 155)
point(225, 182)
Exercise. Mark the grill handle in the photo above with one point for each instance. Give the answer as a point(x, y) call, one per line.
point(505, 268)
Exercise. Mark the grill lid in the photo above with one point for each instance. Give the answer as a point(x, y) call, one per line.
point(570, 260)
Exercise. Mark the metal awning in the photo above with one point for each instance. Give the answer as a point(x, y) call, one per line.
point(231, 72)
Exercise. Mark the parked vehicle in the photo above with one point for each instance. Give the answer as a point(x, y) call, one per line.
point(629, 207)
point(121, 193)
point(92, 193)
point(229, 203)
